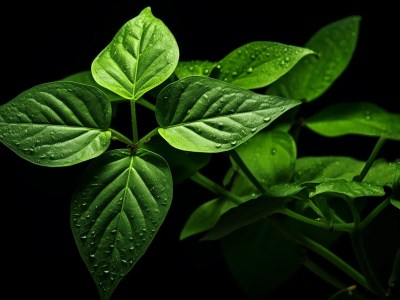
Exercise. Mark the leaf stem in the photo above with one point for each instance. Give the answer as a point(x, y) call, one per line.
point(381, 141)
point(361, 254)
point(146, 104)
point(301, 218)
point(324, 252)
point(115, 135)
point(215, 188)
point(135, 135)
point(317, 270)
point(148, 136)
point(373, 214)
point(247, 172)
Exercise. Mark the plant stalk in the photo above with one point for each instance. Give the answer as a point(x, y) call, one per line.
point(324, 252)
point(361, 254)
point(215, 188)
point(120, 137)
point(334, 227)
point(135, 135)
point(379, 144)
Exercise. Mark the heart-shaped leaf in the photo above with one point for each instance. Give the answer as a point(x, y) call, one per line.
point(203, 114)
point(142, 55)
point(57, 124)
point(119, 206)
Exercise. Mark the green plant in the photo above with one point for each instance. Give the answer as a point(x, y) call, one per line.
point(203, 108)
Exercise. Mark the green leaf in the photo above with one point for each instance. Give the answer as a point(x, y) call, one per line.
point(57, 124)
point(142, 55)
point(183, 164)
point(203, 114)
point(395, 203)
point(270, 156)
point(349, 189)
point(258, 64)
point(312, 76)
point(119, 206)
point(244, 214)
point(383, 173)
point(205, 217)
point(355, 118)
point(321, 168)
point(86, 77)
point(194, 67)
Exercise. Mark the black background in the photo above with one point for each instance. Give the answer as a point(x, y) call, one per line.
point(46, 41)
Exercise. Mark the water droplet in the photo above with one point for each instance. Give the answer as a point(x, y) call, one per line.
point(249, 70)
point(233, 143)
point(234, 73)
point(273, 151)
point(368, 115)
point(91, 255)
point(253, 130)
point(218, 145)
point(267, 119)
point(206, 71)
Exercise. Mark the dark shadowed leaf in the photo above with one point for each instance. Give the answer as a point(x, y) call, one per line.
point(361, 118)
point(313, 75)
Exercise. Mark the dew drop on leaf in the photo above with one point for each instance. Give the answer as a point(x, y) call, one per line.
point(218, 145)
point(267, 119)
point(273, 151)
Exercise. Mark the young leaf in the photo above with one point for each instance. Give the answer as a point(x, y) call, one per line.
point(141, 56)
point(355, 118)
point(205, 217)
point(258, 64)
point(86, 77)
point(270, 156)
point(244, 214)
point(119, 206)
point(349, 189)
point(203, 114)
point(194, 67)
point(312, 76)
point(57, 124)
point(321, 168)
